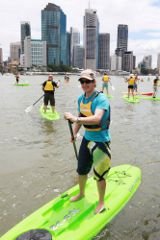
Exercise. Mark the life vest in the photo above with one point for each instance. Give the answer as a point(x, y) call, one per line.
point(105, 78)
point(49, 86)
point(131, 81)
point(86, 111)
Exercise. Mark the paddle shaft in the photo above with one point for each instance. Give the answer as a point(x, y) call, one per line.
point(38, 100)
point(71, 132)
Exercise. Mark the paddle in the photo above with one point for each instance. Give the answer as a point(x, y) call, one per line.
point(28, 109)
point(72, 136)
point(113, 88)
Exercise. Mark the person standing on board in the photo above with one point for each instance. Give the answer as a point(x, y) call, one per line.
point(49, 88)
point(155, 86)
point(17, 78)
point(136, 81)
point(131, 82)
point(105, 81)
point(94, 115)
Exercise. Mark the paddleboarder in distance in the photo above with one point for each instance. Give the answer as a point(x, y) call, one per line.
point(155, 86)
point(94, 115)
point(49, 88)
point(17, 78)
point(105, 81)
point(131, 82)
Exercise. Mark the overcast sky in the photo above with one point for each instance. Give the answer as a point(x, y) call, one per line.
point(141, 16)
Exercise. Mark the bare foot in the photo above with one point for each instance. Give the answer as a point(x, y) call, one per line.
point(100, 208)
point(76, 198)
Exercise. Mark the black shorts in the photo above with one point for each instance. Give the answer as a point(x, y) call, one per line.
point(130, 86)
point(49, 97)
point(97, 154)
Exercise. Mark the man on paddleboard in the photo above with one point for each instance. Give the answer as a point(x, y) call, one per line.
point(49, 88)
point(94, 115)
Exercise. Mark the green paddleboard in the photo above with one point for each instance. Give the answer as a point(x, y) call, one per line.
point(22, 84)
point(49, 115)
point(149, 98)
point(131, 99)
point(109, 96)
point(65, 220)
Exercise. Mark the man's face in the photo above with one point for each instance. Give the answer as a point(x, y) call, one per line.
point(87, 85)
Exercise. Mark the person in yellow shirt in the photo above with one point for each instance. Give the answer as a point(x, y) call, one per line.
point(105, 81)
point(49, 88)
point(131, 82)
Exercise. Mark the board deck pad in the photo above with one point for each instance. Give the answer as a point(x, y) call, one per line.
point(77, 220)
point(49, 115)
point(131, 99)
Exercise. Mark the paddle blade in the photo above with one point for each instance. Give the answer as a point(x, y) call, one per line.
point(113, 88)
point(28, 109)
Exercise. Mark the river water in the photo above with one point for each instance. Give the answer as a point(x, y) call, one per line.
point(37, 160)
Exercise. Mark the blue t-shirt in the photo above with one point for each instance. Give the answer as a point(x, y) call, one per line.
point(99, 102)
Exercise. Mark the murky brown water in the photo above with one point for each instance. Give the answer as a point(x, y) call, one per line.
point(37, 161)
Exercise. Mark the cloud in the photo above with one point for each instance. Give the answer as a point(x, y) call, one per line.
point(141, 16)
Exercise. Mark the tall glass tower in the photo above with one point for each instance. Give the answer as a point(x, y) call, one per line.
point(25, 32)
point(53, 26)
point(104, 51)
point(91, 32)
point(122, 37)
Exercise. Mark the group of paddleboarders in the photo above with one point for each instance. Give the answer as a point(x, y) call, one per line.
point(133, 81)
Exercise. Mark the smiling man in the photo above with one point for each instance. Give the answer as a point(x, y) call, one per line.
point(94, 115)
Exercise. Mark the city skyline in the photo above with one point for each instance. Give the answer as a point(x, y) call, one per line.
point(142, 18)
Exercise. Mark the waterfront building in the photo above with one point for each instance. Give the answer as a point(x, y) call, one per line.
point(104, 51)
point(122, 42)
point(116, 63)
point(15, 51)
point(53, 26)
point(91, 33)
point(78, 56)
point(1, 56)
point(68, 49)
point(158, 63)
point(127, 61)
point(122, 37)
point(147, 60)
point(25, 32)
point(75, 40)
point(34, 53)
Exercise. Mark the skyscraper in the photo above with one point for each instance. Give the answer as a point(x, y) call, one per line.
point(15, 49)
point(25, 32)
point(91, 32)
point(75, 40)
point(122, 37)
point(104, 51)
point(53, 26)
point(1, 56)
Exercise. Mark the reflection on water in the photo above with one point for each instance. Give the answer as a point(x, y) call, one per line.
point(38, 162)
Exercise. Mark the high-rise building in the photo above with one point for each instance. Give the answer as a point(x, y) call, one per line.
point(53, 26)
point(15, 50)
point(25, 32)
point(147, 60)
point(116, 63)
point(75, 40)
point(1, 56)
point(128, 61)
point(78, 56)
point(91, 33)
point(158, 63)
point(68, 49)
point(122, 42)
point(122, 37)
point(34, 52)
point(104, 51)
